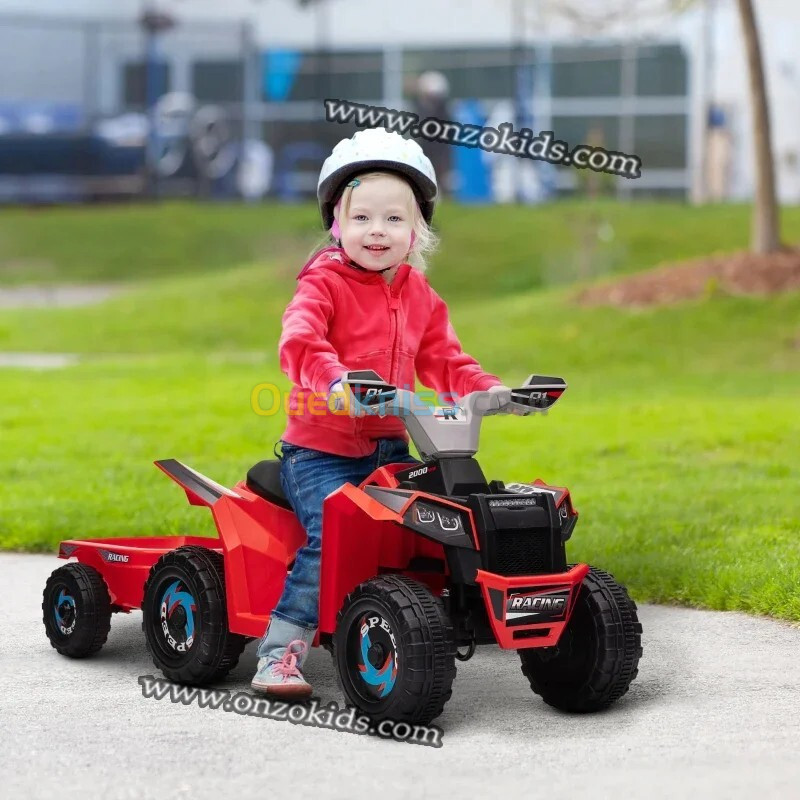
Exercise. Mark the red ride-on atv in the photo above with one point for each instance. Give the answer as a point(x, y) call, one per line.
point(419, 565)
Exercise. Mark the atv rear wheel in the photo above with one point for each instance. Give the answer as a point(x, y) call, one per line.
point(597, 656)
point(394, 650)
point(76, 610)
point(185, 618)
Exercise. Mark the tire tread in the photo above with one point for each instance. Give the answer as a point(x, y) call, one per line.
point(95, 610)
point(428, 645)
point(219, 648)
point(614, 615)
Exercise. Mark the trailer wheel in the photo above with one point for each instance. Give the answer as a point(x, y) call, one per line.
point(185, 618)
point(76, 610)
point(394, 650)
point(597, 656)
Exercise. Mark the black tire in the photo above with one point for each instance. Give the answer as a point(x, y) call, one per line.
point(411, 657)
point(192, 644)
point(76, 610)
point(597, 656)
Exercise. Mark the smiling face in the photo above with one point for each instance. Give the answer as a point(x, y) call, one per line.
point(377, 223)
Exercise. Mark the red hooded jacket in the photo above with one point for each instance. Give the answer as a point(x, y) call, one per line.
point(344, 318)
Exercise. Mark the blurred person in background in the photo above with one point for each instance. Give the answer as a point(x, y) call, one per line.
point(719, 145)
point(432, 92)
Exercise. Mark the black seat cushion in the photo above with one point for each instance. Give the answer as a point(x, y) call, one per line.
point(265, 480)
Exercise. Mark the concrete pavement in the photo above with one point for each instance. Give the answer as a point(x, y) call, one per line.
point(714, 713)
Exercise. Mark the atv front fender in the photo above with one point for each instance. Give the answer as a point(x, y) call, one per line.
point(530, 610)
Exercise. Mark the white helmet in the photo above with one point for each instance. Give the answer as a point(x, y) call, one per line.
point(376, 148)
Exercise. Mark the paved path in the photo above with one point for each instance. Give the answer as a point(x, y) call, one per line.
point(49, 296)
point(55, 296)
point(715, 713)
point(37, 360)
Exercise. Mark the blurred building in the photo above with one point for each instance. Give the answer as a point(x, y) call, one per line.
point(669, 89)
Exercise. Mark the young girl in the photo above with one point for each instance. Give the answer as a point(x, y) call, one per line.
point(358, 305)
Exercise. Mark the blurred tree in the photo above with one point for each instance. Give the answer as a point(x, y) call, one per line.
point(765, 236)
point(592, 16)
point(596, 184)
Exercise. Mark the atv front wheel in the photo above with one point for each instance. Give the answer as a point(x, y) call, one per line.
point(185, 618)
point(76, 610)
point(597, 656)
point(394, 650)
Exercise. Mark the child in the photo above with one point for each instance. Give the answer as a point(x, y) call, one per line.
point(358, 305)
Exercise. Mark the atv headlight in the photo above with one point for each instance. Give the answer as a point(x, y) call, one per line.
point(445, 519)
point(443, 523)
point(514, 502)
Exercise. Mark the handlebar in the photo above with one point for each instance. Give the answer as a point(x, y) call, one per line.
point(369, 390)
point(449, 430)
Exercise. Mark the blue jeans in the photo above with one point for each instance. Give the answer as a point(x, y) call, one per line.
point(307, 478)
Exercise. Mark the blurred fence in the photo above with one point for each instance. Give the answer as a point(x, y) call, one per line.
point(78, 103)
point(94, 109)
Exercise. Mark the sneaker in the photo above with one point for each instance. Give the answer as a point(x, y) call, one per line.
point(281, 676)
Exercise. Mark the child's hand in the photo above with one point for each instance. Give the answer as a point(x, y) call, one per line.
point(339, 400)
point(503, 394)
point(504, 397)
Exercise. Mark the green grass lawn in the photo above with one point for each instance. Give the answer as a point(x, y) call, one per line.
point(679, 435)
point(486, 249)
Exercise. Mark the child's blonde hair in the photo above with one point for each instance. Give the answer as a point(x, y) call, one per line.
point(425, 240)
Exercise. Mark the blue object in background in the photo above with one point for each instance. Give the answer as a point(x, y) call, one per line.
point(39, 118)
point(472, 177)
point(279, 70)
point(288, 169)
point(716, 117)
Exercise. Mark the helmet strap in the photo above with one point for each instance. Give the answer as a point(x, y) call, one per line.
point(364, 269)
point(351, 263)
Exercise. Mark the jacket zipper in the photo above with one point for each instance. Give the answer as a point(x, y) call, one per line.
point(394, 304)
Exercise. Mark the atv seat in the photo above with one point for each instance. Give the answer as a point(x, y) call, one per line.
point(265, 480)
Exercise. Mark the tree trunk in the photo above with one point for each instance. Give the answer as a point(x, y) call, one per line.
point(765, 237)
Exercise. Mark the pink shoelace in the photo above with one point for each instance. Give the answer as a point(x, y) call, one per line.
point(287, 665)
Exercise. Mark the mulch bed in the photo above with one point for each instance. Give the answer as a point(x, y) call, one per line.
point(734, 274)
